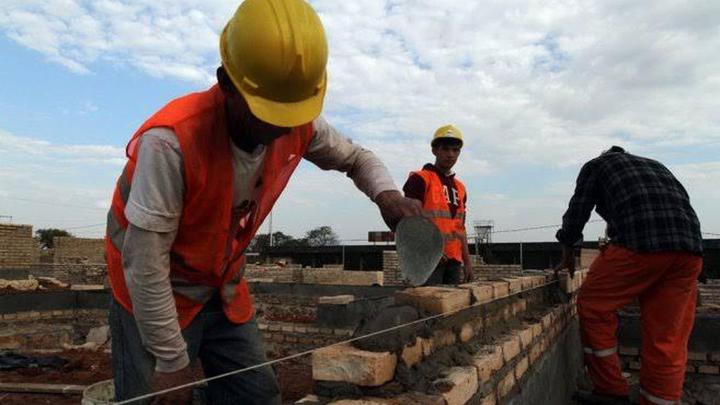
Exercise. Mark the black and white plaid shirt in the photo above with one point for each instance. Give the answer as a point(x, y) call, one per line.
point(645, 206)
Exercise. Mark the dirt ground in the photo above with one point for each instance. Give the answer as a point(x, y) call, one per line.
point(88, 367)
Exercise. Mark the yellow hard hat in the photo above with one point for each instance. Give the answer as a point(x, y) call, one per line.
point(447, 132)
point(275, 53)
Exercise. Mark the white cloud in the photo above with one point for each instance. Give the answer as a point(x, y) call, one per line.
point(532, 83)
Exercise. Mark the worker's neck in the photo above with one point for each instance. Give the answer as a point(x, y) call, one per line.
point(240, 135)
point(444, 170)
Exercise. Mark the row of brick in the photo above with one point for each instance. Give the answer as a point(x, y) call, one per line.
point(493, 375)
point(41, 315)
point(698, 362)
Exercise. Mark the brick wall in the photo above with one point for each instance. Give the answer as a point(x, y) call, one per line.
point(16, 246)
point(500, 343)
point(48, 329)
point(71, 273)
point(327, 275)
point(69, 249)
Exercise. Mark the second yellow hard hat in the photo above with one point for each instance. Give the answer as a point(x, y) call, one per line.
point(447, 131)
point(275, 53)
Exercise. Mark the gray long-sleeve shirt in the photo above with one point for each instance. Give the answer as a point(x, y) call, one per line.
point(155, 204)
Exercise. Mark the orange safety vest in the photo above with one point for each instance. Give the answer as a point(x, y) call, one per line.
point(436, 206)
point(205, 257)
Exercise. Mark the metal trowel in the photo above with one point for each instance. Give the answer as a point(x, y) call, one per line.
point(419, 246)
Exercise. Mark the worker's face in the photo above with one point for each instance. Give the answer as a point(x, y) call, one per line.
point(446, 155)
point(260, 131)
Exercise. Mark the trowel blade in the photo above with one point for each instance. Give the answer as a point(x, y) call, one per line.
point(419, 246)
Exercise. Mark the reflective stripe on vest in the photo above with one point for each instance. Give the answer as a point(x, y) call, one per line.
point(444, 214)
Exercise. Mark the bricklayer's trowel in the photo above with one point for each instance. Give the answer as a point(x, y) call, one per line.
point(419, 247)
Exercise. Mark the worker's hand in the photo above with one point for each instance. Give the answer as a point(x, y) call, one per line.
point(163, 381)
point(469, 273)
point(394, 207)
point(568, 261)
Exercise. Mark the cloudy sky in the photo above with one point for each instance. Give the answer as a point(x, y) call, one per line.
point(538, 88)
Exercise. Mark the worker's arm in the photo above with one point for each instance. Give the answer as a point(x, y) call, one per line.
point(153, 210)
point(579, 209)
point(330, 150)
point(415, 187)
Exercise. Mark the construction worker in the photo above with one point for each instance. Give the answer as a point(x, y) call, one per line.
point(654, 254)
point(203, 173)
point(444, 200)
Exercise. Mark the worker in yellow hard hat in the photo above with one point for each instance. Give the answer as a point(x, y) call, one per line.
point(444, 199)
point(202, 174)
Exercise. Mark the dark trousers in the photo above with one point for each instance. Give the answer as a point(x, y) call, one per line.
point(446, 272)
point(221, 346)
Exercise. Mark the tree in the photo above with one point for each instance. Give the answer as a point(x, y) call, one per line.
point(46, 236)
point(261, 241)
point(321, 236)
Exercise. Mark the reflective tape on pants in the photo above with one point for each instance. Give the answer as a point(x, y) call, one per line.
point(600, 353)
point(656, 400)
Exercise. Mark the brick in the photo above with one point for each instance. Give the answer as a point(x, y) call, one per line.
point(428, 346)
point(506, 385)
point(500, 288)
point(535, 352)
point(629, 351)
point(480, 292)
point(527, 282)
point(714, 356)
point(436, 300)
point(363, 401)
point(514, 285)
point(697, 356)
point(715, 370)
point(349, 364)
point(488, 399)
point(442, 338)
point(521, 367)
point(536, 329)
point(510, 348)
point(488, 362)
point(460, 384)
point(519, 306)
point(634, 365)
point(261, 326)
point(526, 337)
point(466, 332)
point(412, 354)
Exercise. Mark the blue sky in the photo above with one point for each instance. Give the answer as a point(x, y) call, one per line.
point(537, 89)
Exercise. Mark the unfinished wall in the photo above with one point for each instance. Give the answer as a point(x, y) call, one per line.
point(16, 246)
point(71, 273)
point(69, 249)
point(495, 337)
point(331, 275)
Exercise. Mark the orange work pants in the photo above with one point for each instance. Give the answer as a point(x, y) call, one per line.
point(666, 285)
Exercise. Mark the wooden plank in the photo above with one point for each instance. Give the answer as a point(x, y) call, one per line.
point(42, 388)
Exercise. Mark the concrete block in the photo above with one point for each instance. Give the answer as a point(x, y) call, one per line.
point(460, 384)
point(506, 385)
point(336, 299)
point(412, 354)
point(538, 281)
point(510, 348)
point(349, 364)
point(714, 356)
point(521, 367)
point(436, 300)
point(488, 362)
point(526, 337)
point(480, 292)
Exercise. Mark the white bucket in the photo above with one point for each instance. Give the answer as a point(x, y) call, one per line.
point(100, 393)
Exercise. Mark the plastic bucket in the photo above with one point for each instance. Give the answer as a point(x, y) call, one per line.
point(100, 393)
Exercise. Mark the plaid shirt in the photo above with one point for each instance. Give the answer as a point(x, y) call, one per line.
point(645, 206)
